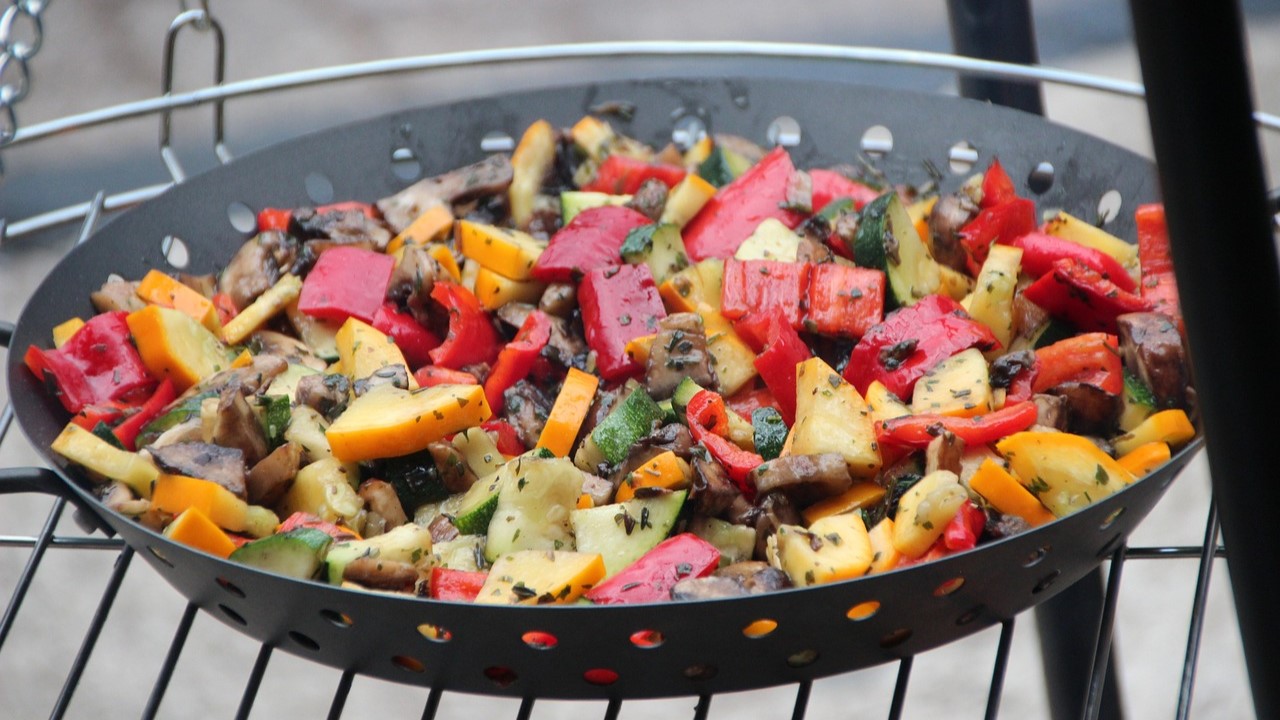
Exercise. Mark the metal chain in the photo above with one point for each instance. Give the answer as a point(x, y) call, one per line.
point(21, 34)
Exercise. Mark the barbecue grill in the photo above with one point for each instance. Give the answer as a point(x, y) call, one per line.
point(53, 535)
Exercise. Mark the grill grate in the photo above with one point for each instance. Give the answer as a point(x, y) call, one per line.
point(51, 537)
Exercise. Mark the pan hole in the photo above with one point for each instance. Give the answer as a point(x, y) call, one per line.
point(175, 252)
point(689, 130)
point(160, 556)
point(895, 638)
point(948, 587)
point(1111, 519)
point(971, 614)
point(337, 619)
point(1041, 178)
point(500, 675)
point(1109, 206)
point(304, 640)
point(600, 676)
point(647, 639)
point(863, 610)
point(435, 633)
point(802, 658)
point(877, 141)
point(497, 141)
point(319, 188)
point(539, 640)
point(701, 671)
point(1036, 556)
point(412, 664)
point(1112, 545)
point(232, 615)
point(760, 628)
point(242, 218)
point(783, 131)
point(230, 587)
point(405, 164)
point(962, 157)
point(1046, 582)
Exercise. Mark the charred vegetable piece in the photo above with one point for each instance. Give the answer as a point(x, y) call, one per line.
point(296, 553)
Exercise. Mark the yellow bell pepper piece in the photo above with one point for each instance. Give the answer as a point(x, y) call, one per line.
point(1071, 228)
point(734, 361)
point(268, 305)
point(160, 289)
point(494, 290)
point(862, 494)
point(1145, 458)
point(884, 556)
point(63, 332)
point(1006, 494)
point(570, 409)
point(193, 528)
point(686, 199)
point(1170, 426)
point(510, 253)
point(93, 453)
point(174, 345)
point(699, 283)
point(1066, 472)
point(443, 255)
point(593, 136)
point(244, 359)
point(363, 350)
point(390, 422)
point(664, 471)
point(428, 227)
point(173, 494)
point(834, 548)
point(557, 577)
point(638, 348)
point(530, 162)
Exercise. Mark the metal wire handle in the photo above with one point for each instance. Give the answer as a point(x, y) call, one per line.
point(16, 52)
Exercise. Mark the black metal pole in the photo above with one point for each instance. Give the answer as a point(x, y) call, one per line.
point(996, 30)
point(1206, 145)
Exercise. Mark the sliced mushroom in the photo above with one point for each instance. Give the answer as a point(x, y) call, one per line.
point(206, 285)
point(566, 348)
point(491, 175)
point(326, 394)
point(526, 409)
point(412, 280)
point(455, 474)
point(236, 426)
point(672, 437)
point(559, 299)
point(394, 375)
point(803, 478)
point(775, 510)
point(599, 489)
point(116, 295)
point(256, 267)
point(442, 529)
point(246, 380)
point(649, 199)
point(270, 479)
point(117, 496)
point(813, 250)
point(514, 313)
point(1150, 343)
point(1051, 411)
point(291, 349)
point(1090, 409)
point(381, 498)
point(679, 350)
point(737, 580)
point(344, 227)
point(190, 430)
point(949, 215)
point(223, 465)
point(944, 452)
point(711, 587)
point(712, 492)
point(372, 572)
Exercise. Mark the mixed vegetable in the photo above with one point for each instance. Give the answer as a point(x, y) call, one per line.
point(596, 372)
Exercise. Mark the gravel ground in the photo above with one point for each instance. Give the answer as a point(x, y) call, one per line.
point(122, 43)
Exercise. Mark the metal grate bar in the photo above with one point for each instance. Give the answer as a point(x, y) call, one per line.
point(900, 689)
point(170, 662)
point(613, 710)
point(6, 417)
point(1197, 615)
point(29, 571)
point(433, 704)
point(1102, 651)
point(255, 682)
point(802, 699)
point(703, 707)
point(526, 708)
point(1181, 552)
point(997, 673)
point(340, 695)
point(62, 541)
point(95, 629)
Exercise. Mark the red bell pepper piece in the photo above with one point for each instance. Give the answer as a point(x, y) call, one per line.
point(414, 341)
point(618, 305)
point(1041, 251)
point(1084, 297)
point(709, 423)
point(96, 365)
point(965, 528)
point(225, 307)
point(999, 223)
point(622, 175)
point(108, 413)
point(127, 431)
point(738, 208)
point(830, 185)
point(651, 578)
point(748, 400)
point(430, 375)
point(911, 340)
point(1021, 387)
point(1159, 286)
point(753, 328)
point(456, 585)
point(844, 301)
point(504, 436)
point(592, 240)
point(301, 519)
point(766, 286)
point(777, 366)
point(916, 431)
point(346, 282)
point(471, 337)
point(1092, 358)
point(517, 358)
point(274, 219)
point(997, 188)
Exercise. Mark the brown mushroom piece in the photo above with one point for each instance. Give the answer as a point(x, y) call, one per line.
point(326, 394)
point(291, 349)
point(803, 478)
point(256, 267)
point(223, 465)
point(679, 350)
point(394, 375)
point(599, 489)
point(455, 474)
point(412, 280)
point(737, 580)
point(117, 496)
point(775, 510)
point(378, 574)
point(271, 477)
point(565, 347)
point(236, 426)
point(442, 529)
point(526, 409)
point(559, 299)
point(1151, 344)
point(944, 452)
point(712, 492)
point(343, 227)
point(189, 430)
point(514, 313)
point(813, 251)
point(381, 498)
point(1051, 411)
point(491, 175)
point(115, 295)
point(1090, 409)
point(949, 215)
point(672, 437)
point(206, 285)
point(247, 380)
point(649, 199)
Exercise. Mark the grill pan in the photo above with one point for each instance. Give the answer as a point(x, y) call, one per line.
point(608, 652)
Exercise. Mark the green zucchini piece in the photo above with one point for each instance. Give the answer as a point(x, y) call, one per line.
point(1139, 402)
point(297, 553)
point(622, 532)
point(534, 503)
point(769, 431)
point(573, 202)
point(176, 415)
point(409, 543)
point(683, 394)
point(478, 504)
point(658, 246)
point(631, 420)
point(104, 433)
point(887, 239)
point(415, 479)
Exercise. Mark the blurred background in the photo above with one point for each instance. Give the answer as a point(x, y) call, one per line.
point(97, 54)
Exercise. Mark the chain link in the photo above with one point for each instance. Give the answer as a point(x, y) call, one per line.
point(21, 34)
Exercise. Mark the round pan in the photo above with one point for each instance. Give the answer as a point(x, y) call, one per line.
point(616, 651)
